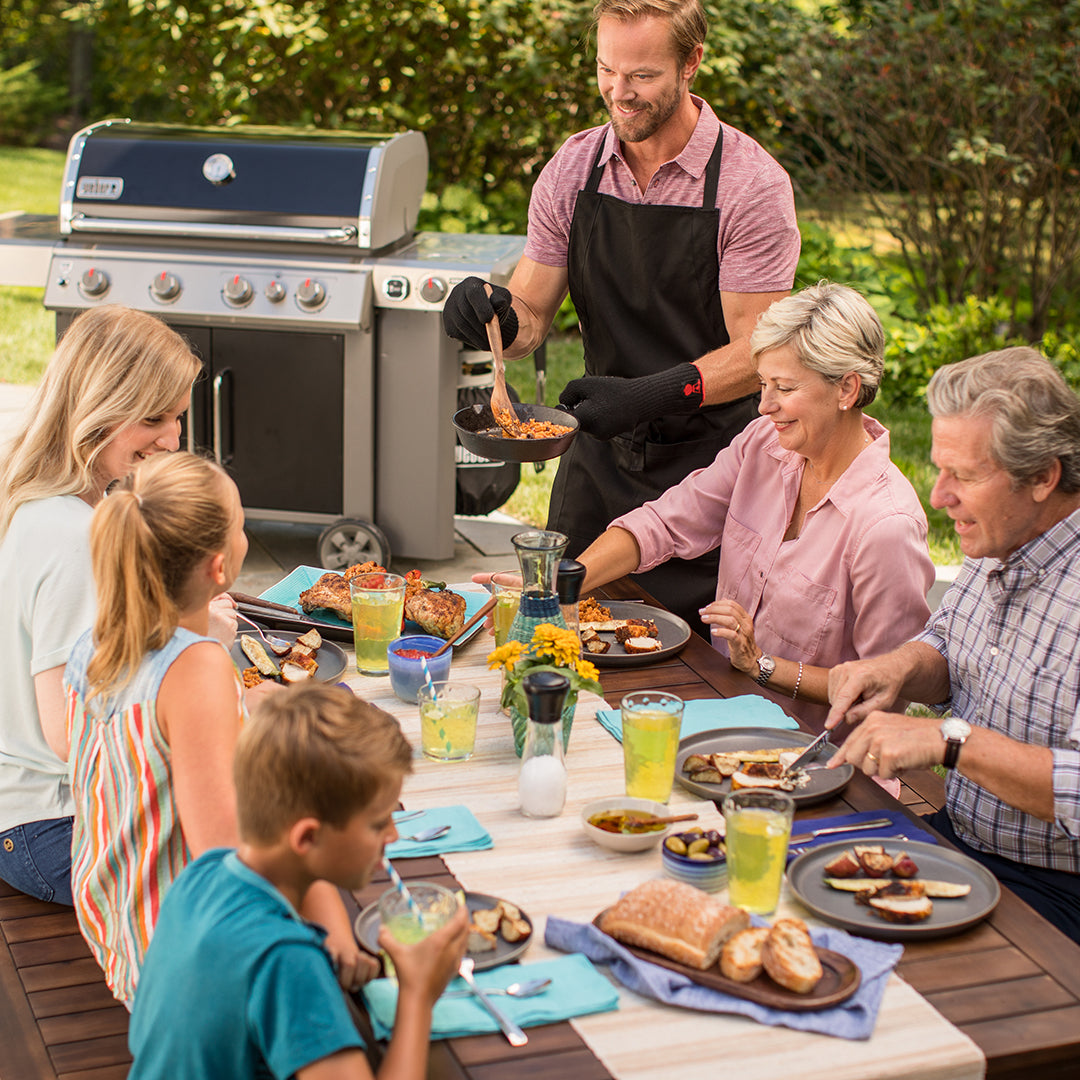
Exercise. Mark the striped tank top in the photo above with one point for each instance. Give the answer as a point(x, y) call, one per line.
point(127, 845)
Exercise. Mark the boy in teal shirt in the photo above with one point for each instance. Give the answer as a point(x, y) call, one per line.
point(235, 984)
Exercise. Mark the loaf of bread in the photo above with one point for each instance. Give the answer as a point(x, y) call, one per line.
point(674, 920)
point(740, 958)
point(789, 957)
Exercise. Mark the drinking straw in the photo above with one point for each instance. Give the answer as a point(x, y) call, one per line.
point(401, 887)
point(427, 675)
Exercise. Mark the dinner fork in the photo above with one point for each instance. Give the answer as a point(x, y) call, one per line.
point(275, 643)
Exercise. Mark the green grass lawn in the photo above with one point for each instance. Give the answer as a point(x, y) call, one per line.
point(30, 181)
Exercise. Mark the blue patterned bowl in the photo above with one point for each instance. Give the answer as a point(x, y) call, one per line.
point(407, 673)
point(709, 875)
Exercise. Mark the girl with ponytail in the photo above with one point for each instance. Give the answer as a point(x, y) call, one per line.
point(155, 708)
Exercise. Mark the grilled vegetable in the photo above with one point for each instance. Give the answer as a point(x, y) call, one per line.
point(262, 660)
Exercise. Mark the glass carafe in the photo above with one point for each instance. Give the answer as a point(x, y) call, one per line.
point(538, 552)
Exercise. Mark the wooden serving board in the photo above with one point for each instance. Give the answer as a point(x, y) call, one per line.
point(840, 979)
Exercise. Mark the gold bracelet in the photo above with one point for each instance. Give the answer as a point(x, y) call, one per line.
point(798, 680)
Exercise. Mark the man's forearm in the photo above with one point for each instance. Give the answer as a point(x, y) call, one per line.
point(925, 673)
point(728, 373)
point(1017, 773)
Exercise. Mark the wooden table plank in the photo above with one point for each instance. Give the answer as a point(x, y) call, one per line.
point(108, 1051)
point(68, 1000)
point(57, 1031)
point(67, 973)
point(25, 1056)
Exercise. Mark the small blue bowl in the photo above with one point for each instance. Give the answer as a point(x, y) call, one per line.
point(709, 875)
point(407, 673)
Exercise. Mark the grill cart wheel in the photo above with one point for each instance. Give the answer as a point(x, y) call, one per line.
point(349, 541)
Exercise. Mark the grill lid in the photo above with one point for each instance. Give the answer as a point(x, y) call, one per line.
point(243, 183)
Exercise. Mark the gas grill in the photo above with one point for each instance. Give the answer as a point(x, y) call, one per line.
point(291, 263)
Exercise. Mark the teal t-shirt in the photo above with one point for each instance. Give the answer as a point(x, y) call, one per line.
point(235, 984)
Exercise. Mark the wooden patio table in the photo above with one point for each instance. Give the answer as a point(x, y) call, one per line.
point(1007, 990)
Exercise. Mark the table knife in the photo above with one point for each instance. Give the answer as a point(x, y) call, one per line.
point(877, 823)
point(514, 1035)
point(809, 753)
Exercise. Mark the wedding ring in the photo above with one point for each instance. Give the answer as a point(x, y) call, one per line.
point(872, 758)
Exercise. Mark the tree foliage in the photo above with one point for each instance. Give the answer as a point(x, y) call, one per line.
point(961, 120)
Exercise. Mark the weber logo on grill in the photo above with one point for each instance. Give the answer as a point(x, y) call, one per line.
point(99, 187)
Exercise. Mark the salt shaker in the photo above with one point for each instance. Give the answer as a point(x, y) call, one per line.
point(568, 587)
point(542, 780)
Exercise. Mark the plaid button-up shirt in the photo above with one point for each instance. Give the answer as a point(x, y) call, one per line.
point(1010, 633)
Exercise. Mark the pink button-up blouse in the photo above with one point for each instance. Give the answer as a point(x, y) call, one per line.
point(853, 584)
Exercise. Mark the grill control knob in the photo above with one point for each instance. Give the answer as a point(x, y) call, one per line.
point(94, 282)
point(238, 291)
point(275, 292)
point(433, 289)
point(165, 286)
point(311, 294)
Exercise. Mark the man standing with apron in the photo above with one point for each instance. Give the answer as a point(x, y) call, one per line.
point(672, 233)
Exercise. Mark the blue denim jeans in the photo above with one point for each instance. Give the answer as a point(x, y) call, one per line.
point(36, 859)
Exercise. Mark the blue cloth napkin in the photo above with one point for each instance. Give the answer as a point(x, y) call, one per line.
point(851, 1019)
point(576, 989)
point(707, 714)
point(466, 833)
point(900, 824)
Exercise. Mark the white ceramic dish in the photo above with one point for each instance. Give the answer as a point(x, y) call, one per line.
point(626, 842)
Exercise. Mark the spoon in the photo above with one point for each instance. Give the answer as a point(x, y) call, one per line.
point(501, 407)
point(428, 834)
point(529, 988)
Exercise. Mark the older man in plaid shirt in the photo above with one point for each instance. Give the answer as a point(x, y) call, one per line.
point(1002, 653)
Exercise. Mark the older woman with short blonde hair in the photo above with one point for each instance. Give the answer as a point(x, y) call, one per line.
point(823, 553)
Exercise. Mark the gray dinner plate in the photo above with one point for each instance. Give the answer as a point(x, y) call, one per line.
point(806, 878)
point(331, 657)
point(674, 634)
point(823, 784)
point(368, 922)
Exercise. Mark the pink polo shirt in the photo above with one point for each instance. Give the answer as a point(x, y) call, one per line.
point(758, 241)
point(853, 584)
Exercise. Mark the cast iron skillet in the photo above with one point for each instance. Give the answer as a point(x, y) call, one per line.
point(474, 420)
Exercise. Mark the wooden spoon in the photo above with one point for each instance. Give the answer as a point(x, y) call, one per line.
point(468, 626)
point(502, 408)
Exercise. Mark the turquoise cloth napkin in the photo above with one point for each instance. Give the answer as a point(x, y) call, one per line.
point(707, 714)
point(851, 1019)
point(466, 833)
point(576, 989)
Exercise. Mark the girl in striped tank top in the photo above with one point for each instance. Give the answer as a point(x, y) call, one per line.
point(154, 703)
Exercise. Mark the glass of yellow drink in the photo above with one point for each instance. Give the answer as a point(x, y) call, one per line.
point(448, 720)
point(506, 588)
point(758, 828)
point(434, 906)
point(378, 603)
point(651, 721)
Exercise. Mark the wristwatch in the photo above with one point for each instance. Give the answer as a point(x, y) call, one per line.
point(955, 732)
point(766, 667)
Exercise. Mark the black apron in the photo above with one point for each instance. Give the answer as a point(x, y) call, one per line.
point(645, 282)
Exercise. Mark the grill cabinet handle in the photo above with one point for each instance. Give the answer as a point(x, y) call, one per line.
point(210, 231)
point(218, 383)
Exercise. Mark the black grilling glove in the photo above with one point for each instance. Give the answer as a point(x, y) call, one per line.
point(468, 310)
point(606, 405)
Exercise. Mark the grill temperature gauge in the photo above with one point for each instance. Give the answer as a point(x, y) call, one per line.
point(311, 294)
point(433, 289)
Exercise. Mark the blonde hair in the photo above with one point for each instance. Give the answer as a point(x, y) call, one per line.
point(313, 750)
point(832, 330)
point(146, 538)
point(687, 18)
point(113, 367)
point(1034, 414)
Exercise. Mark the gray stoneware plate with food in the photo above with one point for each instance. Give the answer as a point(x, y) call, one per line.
point(331, 657)
point(840, 979)
point(674, 634)
point(367, 925)
point(806, 878)
point(823, 783)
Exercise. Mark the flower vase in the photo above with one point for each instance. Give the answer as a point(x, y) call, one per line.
point(520, 723)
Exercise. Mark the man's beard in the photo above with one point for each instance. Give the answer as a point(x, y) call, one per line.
point(648, 122)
